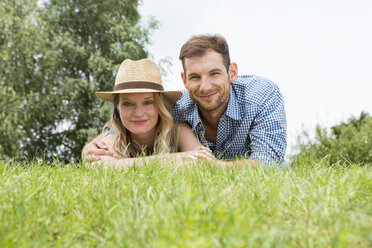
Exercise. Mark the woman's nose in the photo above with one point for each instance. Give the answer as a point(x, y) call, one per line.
point(138, 110)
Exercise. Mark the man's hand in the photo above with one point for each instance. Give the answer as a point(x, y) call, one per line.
point(95, 149)
point(200, 153)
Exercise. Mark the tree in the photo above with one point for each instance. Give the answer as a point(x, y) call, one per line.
point(57, 54)
point(20, 49)
point(348, 143)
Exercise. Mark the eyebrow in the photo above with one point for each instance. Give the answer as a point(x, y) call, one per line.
point(215, 69)
point(196, 74)
point(146, 98)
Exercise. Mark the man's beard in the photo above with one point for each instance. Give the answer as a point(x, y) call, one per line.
point(211, 107)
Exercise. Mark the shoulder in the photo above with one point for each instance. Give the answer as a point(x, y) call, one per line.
point(183, 107)
point(184, 102)
point(181, 126)
point(183, 137)
point(253, 89)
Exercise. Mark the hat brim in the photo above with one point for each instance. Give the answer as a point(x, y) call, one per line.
point(171, 96)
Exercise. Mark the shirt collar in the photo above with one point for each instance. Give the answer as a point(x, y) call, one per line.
point(195, 117)
point(233, 109)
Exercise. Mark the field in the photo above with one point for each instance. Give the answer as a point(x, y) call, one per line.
point(180, 205)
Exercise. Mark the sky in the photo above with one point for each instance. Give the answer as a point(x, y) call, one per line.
point(318, 52)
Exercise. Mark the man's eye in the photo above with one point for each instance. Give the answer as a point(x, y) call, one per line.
point(215, 73)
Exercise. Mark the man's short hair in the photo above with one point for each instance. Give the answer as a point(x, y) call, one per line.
point(197, 46)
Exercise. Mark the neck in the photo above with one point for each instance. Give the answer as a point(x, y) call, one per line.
point(212, 118)
point(147, 139)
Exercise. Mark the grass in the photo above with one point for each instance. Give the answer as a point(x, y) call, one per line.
point(169, 205)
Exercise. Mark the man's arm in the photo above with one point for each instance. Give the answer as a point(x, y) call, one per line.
point(269, 131)
point(197, 154)
point(96, 148)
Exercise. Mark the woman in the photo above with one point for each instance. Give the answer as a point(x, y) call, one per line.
point(142, 123)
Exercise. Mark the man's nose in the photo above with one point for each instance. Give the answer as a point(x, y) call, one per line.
point(205, 84)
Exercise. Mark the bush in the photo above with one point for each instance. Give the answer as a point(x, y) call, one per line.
point(348, 143)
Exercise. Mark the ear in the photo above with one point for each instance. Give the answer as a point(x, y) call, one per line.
point(183, 76)
point(233, 71)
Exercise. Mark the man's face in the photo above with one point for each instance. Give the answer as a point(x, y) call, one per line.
point(208, 82)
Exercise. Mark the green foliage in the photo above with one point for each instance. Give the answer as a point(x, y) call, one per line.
point(349, 142)
point(54, 55)
point(169, 205)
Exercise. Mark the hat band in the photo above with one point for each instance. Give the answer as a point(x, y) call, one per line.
point(138, 85)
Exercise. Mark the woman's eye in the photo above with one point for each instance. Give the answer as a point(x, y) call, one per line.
point(148, 102)
point(127, 104)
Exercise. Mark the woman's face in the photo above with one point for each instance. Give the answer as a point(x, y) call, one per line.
point(138, 113)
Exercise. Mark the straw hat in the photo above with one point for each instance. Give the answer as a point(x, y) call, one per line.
point(139, 76)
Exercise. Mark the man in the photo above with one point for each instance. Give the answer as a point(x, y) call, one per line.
point(235, 116)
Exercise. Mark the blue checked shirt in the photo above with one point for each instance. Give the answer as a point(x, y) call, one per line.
point(253, 126)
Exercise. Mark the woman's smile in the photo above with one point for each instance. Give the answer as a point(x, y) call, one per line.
point(139, 122)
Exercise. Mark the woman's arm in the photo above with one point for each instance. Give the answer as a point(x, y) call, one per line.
point(115, 161)
point(185, 139)
point(188, 146)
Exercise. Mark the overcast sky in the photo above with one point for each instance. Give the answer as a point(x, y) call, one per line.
point(319, 52)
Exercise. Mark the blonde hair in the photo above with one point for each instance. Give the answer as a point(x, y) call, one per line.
point(126, 147)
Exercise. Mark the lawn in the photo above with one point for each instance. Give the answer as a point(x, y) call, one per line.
point(179, 205)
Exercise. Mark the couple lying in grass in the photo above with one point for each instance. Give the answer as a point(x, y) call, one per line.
point(219, 115)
